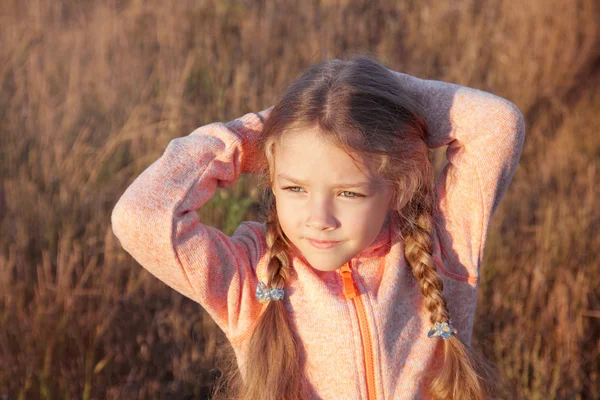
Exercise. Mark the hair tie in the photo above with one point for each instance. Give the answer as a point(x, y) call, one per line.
point(264, 294)
point(444, 329)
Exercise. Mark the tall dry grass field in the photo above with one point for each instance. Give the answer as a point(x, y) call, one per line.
point(92, 92)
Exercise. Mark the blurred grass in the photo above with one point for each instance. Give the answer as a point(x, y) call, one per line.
point(92, 92)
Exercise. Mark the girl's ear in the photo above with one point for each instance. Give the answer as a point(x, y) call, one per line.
point(393, 205)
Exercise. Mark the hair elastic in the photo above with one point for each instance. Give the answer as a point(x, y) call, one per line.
point(444, 330)
point(264, 294)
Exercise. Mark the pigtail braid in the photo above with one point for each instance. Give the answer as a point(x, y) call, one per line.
point(275, 371)
point(463, 374)
point(418, 250)
point(279, 265)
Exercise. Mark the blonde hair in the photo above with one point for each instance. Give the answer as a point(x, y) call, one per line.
point(360, 106)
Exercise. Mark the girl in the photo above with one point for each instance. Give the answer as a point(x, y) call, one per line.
point(362, 282)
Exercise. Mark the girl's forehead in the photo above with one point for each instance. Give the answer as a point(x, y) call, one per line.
point(308, 147)
point(305, 154)
point(298, 134)
point(311, 139)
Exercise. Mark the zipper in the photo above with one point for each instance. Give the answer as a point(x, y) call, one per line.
point(350, 292)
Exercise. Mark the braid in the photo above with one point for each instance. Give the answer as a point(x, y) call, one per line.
point(463, 373)
point(274, 368)
point(279, 264)
point(418, 250)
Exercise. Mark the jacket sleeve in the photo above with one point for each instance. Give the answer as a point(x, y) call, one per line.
point(485, 134)
point(156, 222)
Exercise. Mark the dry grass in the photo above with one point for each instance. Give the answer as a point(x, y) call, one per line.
point(92, 93)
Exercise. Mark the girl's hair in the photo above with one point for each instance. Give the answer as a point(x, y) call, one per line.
point(360, 106)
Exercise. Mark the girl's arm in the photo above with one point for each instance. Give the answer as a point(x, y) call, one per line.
point(485, 135)
point(156, 222)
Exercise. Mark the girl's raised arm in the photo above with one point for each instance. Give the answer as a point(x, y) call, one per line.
point(156, 222)
point(485, 135)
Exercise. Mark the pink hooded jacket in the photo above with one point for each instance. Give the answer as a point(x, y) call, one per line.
point(362, 329)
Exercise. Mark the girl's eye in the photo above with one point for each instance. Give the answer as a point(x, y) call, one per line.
point(351, 196)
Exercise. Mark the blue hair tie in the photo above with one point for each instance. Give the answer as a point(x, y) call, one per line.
point(443, 330)
point(264, 294)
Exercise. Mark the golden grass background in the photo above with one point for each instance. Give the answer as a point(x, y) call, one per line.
point(92, 92)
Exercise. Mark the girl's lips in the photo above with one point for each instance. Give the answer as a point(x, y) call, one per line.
point(322, 245)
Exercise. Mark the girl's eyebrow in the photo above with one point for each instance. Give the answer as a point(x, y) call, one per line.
point(339, 185)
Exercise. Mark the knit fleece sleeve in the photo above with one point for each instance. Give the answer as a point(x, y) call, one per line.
point(156, 222)
point(485, 134)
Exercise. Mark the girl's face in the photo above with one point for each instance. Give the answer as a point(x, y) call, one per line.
point(313, 203)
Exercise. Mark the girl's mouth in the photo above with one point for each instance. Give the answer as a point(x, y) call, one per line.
point(322, 245)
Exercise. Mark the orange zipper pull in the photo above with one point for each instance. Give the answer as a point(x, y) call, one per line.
point(349, 289)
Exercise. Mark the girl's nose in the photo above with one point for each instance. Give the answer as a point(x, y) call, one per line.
point(321, 216)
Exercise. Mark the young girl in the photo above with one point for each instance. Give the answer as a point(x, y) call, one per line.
point(362, 282)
